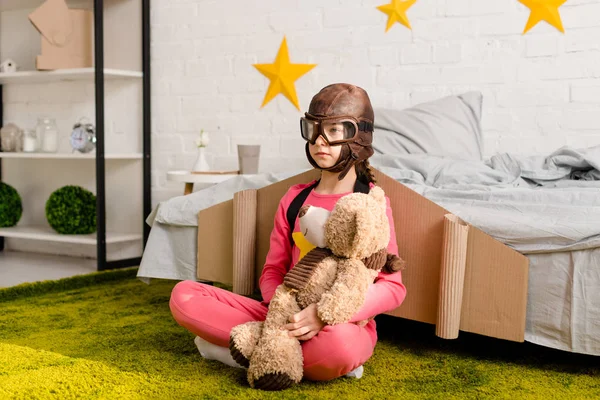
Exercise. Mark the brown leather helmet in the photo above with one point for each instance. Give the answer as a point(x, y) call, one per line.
point(341, 102)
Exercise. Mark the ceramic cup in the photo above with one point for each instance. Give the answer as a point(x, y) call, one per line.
point(248, 155)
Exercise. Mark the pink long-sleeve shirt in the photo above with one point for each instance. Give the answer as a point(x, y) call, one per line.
point(386, 294)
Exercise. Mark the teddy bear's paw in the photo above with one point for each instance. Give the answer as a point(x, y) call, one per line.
point(237, 354)
point(274, 381)
point(276, 355)
point(242, 341)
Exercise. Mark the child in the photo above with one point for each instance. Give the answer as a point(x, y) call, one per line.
point(338, 128)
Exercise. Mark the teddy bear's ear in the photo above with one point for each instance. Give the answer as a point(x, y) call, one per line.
point(378, 194)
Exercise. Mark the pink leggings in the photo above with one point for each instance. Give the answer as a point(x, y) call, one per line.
point(210, 313)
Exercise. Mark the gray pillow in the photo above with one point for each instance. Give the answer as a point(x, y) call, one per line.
point(449, 126)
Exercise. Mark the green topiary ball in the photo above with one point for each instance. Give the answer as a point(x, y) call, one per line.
point(11, 207)
point(72, 210)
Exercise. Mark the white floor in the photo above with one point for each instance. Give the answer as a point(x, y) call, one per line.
point(18, 267)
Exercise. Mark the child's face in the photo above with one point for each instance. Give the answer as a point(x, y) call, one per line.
point(324, 155)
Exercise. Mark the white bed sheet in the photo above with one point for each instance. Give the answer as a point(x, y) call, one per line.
point(170, 253)
point(563, 301)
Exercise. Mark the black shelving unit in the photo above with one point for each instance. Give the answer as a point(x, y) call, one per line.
point(1, 124)
point(102, 262)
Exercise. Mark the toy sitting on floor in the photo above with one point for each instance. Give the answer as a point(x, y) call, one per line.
point(350, 248)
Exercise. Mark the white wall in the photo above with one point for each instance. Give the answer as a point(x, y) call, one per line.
point(541, 90)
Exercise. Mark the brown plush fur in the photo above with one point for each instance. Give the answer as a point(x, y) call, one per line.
point(356, 232)
point(319, 283)
point(276, 351)
point(243, 339)
point(357, 227)
point(347, 294)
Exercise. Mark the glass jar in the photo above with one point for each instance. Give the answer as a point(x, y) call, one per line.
point(30, 141)
point(47, 133)
point(11, 138)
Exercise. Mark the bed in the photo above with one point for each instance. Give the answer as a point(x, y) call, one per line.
point(544, 207)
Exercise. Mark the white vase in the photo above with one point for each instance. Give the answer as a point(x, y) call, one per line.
point(201, 164)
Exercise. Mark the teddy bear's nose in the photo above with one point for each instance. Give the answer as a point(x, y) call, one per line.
point(303, 210)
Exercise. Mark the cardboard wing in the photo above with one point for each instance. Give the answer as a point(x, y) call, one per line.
point(457, 277)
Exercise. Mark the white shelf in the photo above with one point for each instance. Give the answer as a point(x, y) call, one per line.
point(72, 156)
point(74, 74)
point(48, 234)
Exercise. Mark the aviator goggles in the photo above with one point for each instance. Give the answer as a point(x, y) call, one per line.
point(335, 130)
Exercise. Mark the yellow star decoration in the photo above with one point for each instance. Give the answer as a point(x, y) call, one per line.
point(546, 10)
point(396, 12)
point(282, 75)
point(304, 245)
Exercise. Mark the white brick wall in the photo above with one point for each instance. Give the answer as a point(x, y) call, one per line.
point(541, 89)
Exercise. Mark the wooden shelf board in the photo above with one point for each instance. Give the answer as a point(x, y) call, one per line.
point(73, 74)
point(48, 234)
point(73, 156)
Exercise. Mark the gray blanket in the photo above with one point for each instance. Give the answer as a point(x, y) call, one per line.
point(531, 203)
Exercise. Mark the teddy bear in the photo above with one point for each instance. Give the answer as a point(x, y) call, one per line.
point(348, 248)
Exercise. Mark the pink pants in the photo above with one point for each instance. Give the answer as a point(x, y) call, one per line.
point(210, 312)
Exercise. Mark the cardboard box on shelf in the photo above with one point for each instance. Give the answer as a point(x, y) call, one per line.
point(457, 277)
point(66, 36)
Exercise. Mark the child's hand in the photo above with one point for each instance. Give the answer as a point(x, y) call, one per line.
point(305, 324)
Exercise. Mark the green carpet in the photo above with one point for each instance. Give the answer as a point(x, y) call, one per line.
point(110, 336)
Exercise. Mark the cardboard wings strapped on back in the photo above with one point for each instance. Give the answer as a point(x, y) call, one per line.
point(66, 36)
point(457, 277)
